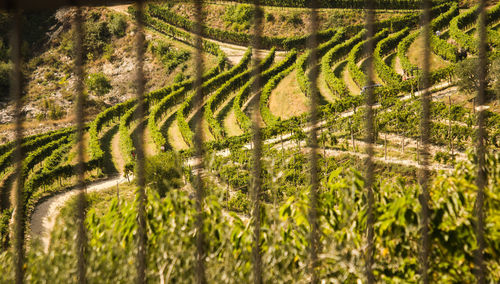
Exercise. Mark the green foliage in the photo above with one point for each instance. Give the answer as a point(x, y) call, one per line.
point(170, 56)
point(336, 84)
point(98, 84)
point(303, 60)
point(156, 16)
point(97, 35)
point(207, 88)
point(118, 25)
point(163, 173)
point(356, 54)
point(5, 70)
point(239, 17)
point(243, 94)
point(171, 225)
point(239, 203)
point(384, 47)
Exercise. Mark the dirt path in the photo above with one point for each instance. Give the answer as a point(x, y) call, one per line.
point(45, 214)
point(231, 125)
point(116, 153)
point(351, 85)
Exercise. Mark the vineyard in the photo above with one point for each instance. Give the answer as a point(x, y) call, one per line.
point(201, 133)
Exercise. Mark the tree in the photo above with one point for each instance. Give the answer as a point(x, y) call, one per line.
point(467, 75)
point(98, 84)
point(163, 173)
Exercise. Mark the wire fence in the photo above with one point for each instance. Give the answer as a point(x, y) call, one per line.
point(15, 10)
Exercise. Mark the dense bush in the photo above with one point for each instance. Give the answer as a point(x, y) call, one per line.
point(170, 56)
point(98, 84)
point(239, 17)
point(171, 223)
point(118, 25)
point(5, 70)
point(163, 173)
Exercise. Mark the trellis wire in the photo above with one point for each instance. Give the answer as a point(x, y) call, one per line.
point(425, 122)
point(256, 182)
point(141, 182)
point(313, 143)
point(369, 139)
point(81, 234)
point(198, 145)
point(481, 179)
point(16, 95)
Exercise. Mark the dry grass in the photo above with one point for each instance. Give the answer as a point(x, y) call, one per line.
point(416, 51)
point(116, 153)
point(231, 125)
point(206, 134)
point(287, 100)
point(175, 137)
point(325, 90)
point(346, 76)
point(282, 25)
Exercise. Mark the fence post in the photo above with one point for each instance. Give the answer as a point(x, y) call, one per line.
point(369, 140)
point(16, 95)
point(481, 179)
point(81, 238)
point(312, 45)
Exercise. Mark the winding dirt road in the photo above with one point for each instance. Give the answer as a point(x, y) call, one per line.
point(45, 214)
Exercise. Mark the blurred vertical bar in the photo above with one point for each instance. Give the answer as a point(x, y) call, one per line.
point(198, 145)
point(141, 183)
point(312, 45)
point(256, 183)
point(16, 95)
point(370, 138)
point(481, 178)
point(423, 174)
point(81, 234)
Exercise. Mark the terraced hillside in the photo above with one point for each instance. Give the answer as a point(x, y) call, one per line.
point(227, 110)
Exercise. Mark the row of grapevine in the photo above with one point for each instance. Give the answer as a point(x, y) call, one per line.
point(303, 60)
point(33, 144)
point(337, 85)
point(403, 48)
point(126, 144)
point(174, 98)
point(157, 112)
point(281, 43)
point(267, 116)
point(175, 33)
point(356, 54)
point(207, 87)
point(350, 4)
point(244, 122)
point(460, 22)
point(221, 94)
point(384, 47)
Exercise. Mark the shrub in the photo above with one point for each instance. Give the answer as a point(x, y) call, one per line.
point(4, 79)
point(163, 172)
point(241, 15)
point(98, 84)
point(97, 35)
point(118, 25)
